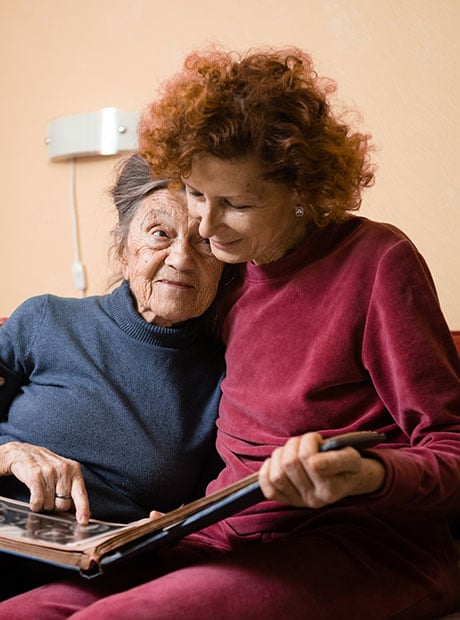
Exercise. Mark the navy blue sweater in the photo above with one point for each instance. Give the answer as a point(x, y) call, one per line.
point(134, 403)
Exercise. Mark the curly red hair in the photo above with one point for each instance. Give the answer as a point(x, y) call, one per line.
point(269, 104)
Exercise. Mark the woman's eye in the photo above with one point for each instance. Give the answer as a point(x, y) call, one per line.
point(194, 194)
point(204, 245)
point(159, 233)
point(229, 204)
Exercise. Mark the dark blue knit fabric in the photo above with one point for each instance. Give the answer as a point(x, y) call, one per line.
point(135, 404)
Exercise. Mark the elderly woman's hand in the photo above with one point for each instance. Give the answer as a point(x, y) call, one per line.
point(299, 475)
point(55, 483)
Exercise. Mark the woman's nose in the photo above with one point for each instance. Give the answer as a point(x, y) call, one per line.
point(206, 214)
point(180, 255)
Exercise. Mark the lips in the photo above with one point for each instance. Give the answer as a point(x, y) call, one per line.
point(176, 283)
point(223, 245)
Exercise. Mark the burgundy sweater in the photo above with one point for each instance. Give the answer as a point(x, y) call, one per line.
point(345, 334)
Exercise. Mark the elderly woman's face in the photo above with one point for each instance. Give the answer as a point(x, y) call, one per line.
point(245, 216)
point(172, 273)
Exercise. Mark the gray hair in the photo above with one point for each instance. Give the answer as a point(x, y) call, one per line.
point(133, 183)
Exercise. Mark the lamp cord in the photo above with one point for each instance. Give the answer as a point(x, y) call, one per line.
point(78, 269)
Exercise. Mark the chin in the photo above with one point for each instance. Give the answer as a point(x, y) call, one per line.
point(230, 258)
point(181, 314)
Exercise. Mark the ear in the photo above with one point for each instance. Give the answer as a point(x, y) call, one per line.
point(124, 263)
point(297, 197)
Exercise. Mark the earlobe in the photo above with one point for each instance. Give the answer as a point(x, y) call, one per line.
point(124, 265)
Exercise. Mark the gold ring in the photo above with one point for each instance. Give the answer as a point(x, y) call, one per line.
point(57, 496)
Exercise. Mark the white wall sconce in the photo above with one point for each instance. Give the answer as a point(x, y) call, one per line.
point(107, 132)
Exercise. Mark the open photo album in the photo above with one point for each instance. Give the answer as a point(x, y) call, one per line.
point(95, 548)
point(57, 538)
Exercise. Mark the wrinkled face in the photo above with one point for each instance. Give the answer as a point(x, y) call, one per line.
point(172, 273)
point(245, 217)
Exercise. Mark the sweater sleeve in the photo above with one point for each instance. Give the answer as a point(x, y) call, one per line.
point(16, 345)
point(413, 363)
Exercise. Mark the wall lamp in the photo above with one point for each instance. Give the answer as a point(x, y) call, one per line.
point(109, 131)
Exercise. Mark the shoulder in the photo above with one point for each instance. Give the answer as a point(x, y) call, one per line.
point(28, 310)
point(49, 309)
point(382, 233)
point(378, 243)
point(369, 256)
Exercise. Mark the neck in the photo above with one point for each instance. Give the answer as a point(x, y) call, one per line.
point(302, 233)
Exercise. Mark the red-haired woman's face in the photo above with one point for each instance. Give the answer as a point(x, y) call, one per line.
point(245, 217)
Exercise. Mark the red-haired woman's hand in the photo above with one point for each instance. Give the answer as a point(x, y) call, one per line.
point(300, 475)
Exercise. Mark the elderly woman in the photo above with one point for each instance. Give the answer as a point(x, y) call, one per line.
point(335, 326)
point(112, 400)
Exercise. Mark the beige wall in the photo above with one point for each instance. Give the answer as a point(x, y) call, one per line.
point(396, 60)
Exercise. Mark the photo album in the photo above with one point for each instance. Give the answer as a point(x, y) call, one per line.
point(57, 538)
point(96, 548)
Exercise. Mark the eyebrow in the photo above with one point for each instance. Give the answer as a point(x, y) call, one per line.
point(245, 198)
point(160, 212)
point(187, 185)
point(157, 213)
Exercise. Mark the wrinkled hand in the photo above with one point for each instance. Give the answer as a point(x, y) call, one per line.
point(299, 475)
point(47, 475)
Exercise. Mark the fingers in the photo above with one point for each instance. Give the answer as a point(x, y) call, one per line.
point(62, 489)
point(299, 475)
point(155, 514)
point(285, 476)
point(55, 483)
point(80, 500)
point(65, 489)
point(47, 477)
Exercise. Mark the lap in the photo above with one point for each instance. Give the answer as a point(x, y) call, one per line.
point(314, 576)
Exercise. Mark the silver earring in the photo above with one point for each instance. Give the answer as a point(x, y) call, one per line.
point(299, 211)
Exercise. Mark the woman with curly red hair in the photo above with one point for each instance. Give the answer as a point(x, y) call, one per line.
point(332, 325)
point(272, 107)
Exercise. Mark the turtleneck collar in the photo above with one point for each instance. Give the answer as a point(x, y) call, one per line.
point(123, 311)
